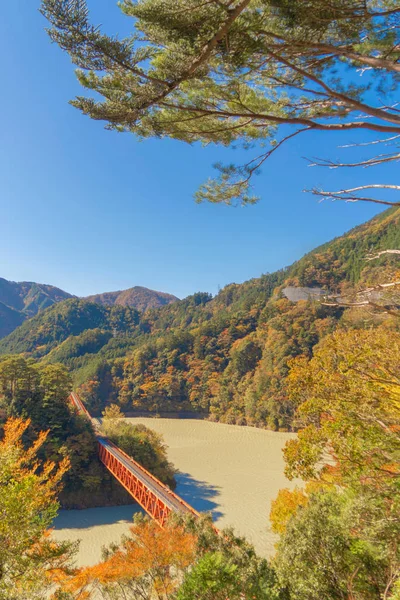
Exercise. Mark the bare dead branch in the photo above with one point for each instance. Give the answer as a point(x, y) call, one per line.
point(371, 162)
point(371, 143)
point(386, 186)
point(380, 286)
point(375, 288)
point(384, 13)
point(263, 157)
point(259, 160)
point(356, 104)
point(361, 297)
point(348, 198)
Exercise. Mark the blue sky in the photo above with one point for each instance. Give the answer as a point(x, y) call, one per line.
point(92, 211)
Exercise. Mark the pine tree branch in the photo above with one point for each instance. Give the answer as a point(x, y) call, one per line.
point(338, 51)
point(268, 118)
point(356, 104)
point(204, 55)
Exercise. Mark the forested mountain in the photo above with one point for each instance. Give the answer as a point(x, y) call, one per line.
point(19, 301)
point(73, 318)
point(29, 297)
point(9, 319)
point(226, 356)
point(139, 297)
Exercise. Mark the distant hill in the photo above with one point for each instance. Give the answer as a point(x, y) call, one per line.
point(69, 319)
point(139, 297)
point(10, 319)
point(28, 297)
point(22, 300)
point(226, 356)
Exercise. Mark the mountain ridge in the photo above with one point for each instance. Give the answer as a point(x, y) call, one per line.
point(226, 356)
point(22, 300)
point(139, 297)
point(28, 296)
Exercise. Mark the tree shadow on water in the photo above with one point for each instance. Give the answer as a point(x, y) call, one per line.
point(199, 494)
point(93, 517)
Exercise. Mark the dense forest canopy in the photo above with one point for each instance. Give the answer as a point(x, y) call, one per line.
point(226, 357)
point(340, 534)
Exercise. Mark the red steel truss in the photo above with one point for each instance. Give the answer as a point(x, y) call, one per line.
point(152, 495)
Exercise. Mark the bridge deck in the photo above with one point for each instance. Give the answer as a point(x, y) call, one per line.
point(160, 490)
point(155, 497)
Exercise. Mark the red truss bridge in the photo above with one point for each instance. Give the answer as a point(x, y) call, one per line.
point(152, 495)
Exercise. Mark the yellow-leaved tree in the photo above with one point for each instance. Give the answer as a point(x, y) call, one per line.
point(340, 538)
point(31, 562)
point(348, 398)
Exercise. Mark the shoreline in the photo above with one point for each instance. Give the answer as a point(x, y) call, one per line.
point(230, 471)
point(192, 415)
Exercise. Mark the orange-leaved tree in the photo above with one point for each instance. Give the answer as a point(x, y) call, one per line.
point(31, 562)
point(149, 563)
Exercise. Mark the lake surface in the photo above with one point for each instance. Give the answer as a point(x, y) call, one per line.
point(233, 472)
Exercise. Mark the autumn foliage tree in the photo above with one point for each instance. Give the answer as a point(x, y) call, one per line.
point(226, 566)
point(30, 561)
point(187, 560)
point(284, 507)
point(340, 536)
point(112, 412)
point(348, 398)
point(341, 544)
point(148, 564)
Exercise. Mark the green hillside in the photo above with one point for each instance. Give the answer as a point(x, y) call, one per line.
point(39, 335)
point(23, 300)
point(225, 356)
point(10, 319)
